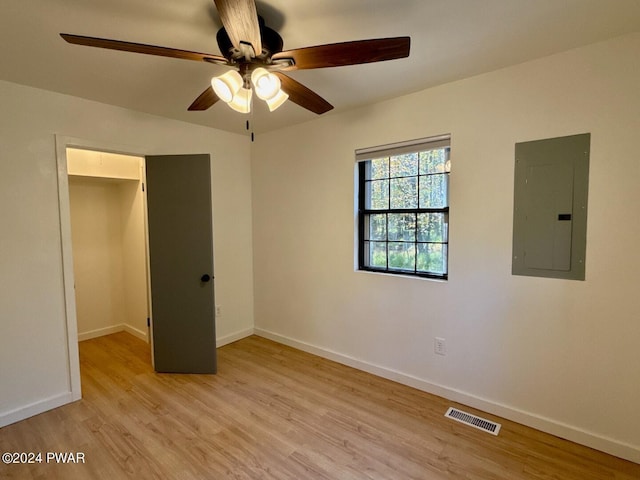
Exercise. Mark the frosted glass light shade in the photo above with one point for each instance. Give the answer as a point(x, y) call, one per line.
point(227, 85)
point(277, 100)
point(266, 84)
point(241, 101)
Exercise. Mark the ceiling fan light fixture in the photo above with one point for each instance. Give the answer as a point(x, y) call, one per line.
point(241, 101)
point(227, 85)
point(266, 84)
point(277, 100)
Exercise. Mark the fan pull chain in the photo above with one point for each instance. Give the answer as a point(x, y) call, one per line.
point(250, 129)
point(250, 121)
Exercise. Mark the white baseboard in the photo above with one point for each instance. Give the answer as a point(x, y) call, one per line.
point(99, 332)
point(233, 337)
point(22, 413)
point(559, 429)
point(136, 332)
point(123, 327)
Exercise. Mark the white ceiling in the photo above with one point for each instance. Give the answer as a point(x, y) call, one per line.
point(451, 39)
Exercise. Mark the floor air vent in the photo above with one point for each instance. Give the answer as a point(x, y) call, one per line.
point(473, 421)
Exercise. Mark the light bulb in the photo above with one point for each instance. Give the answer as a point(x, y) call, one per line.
point(278, 99)
point(227, 85)
point(241, 101)
point(267, 85)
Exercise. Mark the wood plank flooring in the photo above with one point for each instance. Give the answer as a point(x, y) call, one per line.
point(273, 412)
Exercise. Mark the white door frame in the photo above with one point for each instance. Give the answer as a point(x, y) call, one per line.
point(62, 143)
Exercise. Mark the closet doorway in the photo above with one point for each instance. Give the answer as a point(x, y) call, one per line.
point(142, 260)
point(109, 241)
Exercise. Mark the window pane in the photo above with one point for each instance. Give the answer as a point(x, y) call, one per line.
point(377, 227)
point(433, 161)
point(377, 254)
point(377, 195)
point(397, 237)
point(434, 191)
point(402, 256)
point(378, 168)
point(432, 258)
point(404, 165)
point(404, 192)
point(432, 227)
point(402, 226)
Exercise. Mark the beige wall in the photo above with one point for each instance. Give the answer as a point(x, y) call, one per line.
point(34, 354)
point(561, 355)
point(134, 258)
point(96, 224)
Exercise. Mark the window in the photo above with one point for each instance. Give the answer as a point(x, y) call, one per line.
point(403, 208)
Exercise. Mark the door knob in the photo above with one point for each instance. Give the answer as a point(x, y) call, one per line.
point(205, 278)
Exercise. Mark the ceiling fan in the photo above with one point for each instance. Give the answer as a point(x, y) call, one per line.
point(254, 53)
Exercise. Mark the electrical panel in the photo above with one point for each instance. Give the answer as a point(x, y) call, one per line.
point(550, 207)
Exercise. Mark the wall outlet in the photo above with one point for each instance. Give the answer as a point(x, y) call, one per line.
point(218, 310)
point(440, 346)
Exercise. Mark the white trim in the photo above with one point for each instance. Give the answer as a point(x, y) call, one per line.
point(136, 332)
point(84, 144)
point(101, 332)
point(22, 413)
point(544, 424)
point(68, 285)
point(63, 142)
point(123, 327)
point(234, 337)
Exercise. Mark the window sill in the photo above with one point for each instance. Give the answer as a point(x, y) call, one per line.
point(401, 275)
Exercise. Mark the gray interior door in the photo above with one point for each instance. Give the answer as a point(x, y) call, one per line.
point(181, 263)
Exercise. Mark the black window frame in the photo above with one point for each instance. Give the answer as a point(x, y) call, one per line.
point(364, 213)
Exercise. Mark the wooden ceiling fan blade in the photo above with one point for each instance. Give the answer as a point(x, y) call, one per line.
point(240, 20)
point(204, 101)
point(346, 53)
point(302, 95)
point(142, 48)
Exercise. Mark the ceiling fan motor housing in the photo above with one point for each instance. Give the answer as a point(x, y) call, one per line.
point(271, 43)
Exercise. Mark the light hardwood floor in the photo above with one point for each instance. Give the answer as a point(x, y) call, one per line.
point(273, 412)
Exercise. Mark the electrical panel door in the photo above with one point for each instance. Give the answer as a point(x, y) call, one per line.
point(550, 207)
